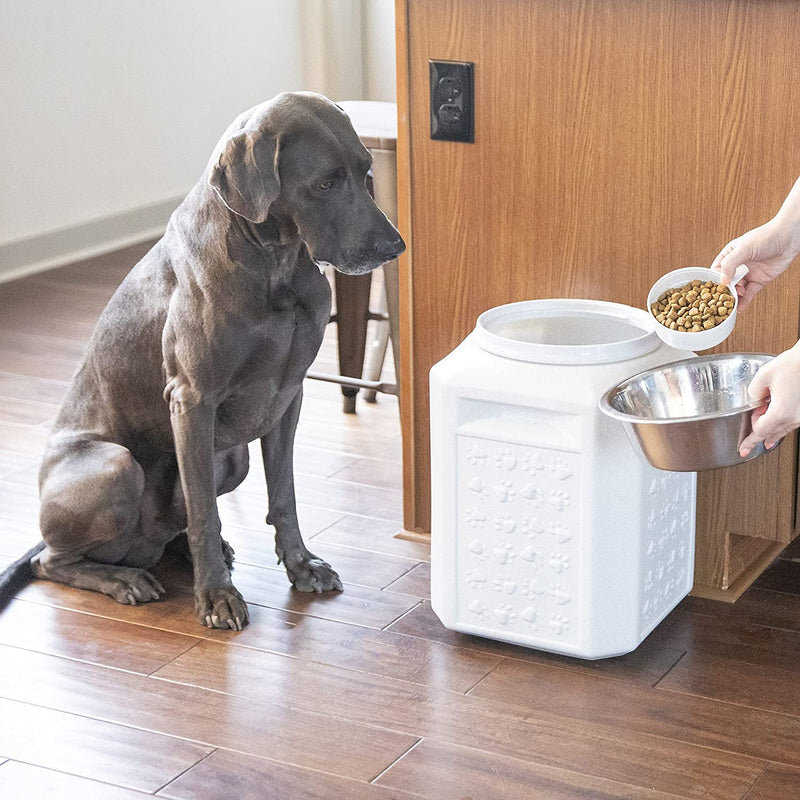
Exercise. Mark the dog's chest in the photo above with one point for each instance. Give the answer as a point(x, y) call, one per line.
point(268, 367)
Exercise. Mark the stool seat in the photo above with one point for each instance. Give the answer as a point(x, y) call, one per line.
point(374, 121)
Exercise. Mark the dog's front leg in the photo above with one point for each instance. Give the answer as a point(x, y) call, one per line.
point(217, 602)
point(307, 572)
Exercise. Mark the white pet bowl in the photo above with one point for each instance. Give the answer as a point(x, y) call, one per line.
point(700, 340)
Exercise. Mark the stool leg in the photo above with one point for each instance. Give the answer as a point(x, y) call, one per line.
point(352, 310)
point(391, 286)
point(376, 349)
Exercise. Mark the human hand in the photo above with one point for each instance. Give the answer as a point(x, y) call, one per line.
point(778, 383)
point(767, 251)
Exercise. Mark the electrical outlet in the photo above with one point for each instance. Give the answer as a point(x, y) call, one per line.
point(452, 96)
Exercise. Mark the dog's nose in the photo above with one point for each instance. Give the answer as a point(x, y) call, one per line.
point(390, 248)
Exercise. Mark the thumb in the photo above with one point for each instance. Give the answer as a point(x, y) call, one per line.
point(758, 387)
point(732, 258)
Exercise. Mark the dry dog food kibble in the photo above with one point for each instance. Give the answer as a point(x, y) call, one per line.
point(697, 306)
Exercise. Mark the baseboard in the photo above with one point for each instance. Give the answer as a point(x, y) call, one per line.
point(413, 536)
point(87, 239)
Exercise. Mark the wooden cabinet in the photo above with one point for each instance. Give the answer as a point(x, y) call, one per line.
point(613, 141)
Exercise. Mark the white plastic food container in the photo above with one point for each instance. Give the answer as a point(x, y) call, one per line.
point(547, 529)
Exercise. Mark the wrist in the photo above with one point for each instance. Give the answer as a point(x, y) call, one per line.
point(786, 222)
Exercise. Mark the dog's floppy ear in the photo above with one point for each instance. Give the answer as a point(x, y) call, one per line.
point(245, 175)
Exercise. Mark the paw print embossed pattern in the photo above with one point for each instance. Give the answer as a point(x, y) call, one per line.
point(664, 567)
point(519, 511)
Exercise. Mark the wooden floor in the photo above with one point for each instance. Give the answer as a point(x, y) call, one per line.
point(356, 695)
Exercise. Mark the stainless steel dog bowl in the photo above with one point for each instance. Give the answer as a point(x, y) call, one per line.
point(689, 415)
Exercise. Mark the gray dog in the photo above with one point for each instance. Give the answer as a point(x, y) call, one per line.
point(202, 349)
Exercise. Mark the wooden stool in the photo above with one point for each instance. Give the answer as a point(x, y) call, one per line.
point(376, 125)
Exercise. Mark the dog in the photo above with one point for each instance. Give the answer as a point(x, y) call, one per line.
point(202, 349)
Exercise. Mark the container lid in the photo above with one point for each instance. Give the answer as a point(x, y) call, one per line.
point(566, 331)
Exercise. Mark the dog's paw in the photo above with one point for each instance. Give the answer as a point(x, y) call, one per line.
point(222, 607)
point(130, 586)
point(313, 575)
point(228, 554)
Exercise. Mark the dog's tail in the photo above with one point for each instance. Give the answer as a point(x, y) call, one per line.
point(17, 575)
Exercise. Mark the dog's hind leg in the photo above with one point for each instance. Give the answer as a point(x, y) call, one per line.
point(307, 572)
point(91, 495)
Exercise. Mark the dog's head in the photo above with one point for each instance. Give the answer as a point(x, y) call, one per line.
point(296, 159)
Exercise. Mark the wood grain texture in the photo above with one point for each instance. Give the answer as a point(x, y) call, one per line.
point(225, 775)
point(92, 639)
point(365, 694)
point(307, 738)
point(777, 783)
point(22, 780)
point(613, 142)
point(647, 664)
point(455, 773)
point(739, 682)
point(610, 752)
point(750, 732)
point(91, 748)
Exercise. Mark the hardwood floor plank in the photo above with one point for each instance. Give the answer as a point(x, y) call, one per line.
point(42, 390)
point(777, 783)
point(96, 640)
point(90, 748)
point(454, 773)
point(22, 781)
point(730, 637)
point(39, 355)
point(647, 664)
point(357, 604)
point(12, 462)
point(26, 412)
point(505, 728)
point(368, 533)
point(303, 637)
point(23, 438)
point(107, 269)
point(757, 607)
point(377, 570)
point(358, 441)
point(308, 460)
point(373, 472)
point(632, 707)
point(352, 498)
point(69, 310)
point(416, 582)
point(783, 575)
point(737, 682)
point(250, 511)
point(20, 517)
point(225, 776)
point(305, 738)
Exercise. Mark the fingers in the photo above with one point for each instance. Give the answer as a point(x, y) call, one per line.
point(726, 263)
point(769, 434)
point(758, 388)
point(746, 290)
point(769, 424)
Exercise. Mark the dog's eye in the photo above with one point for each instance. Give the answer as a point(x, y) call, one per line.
point(325, 185)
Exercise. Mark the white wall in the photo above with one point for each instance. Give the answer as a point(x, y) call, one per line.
point(349, 48)
point(380, 82)
point(111, 109)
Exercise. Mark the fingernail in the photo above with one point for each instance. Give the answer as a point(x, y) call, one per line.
point(744, 452)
